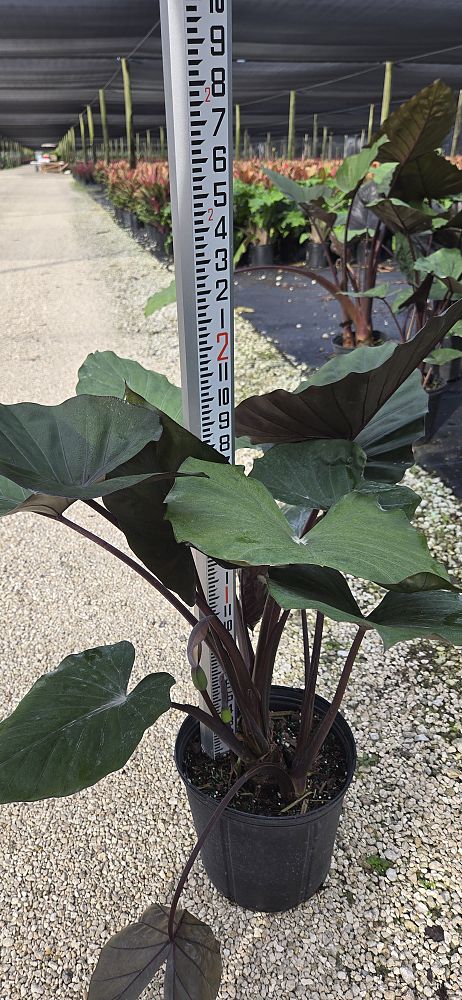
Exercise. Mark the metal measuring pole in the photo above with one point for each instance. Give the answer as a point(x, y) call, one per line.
point(196, 48)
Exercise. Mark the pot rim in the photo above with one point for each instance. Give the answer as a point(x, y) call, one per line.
point(343, 731)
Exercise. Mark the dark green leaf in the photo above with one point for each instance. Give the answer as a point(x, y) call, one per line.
point(312, 473)
point(233, 518)
point(402, 218)
point(341, 409)
point(11, 496)
point(354, 168)
point(391, 497)
point(435, 614)
point(444, 263)
point(325, 590)
point(163, 298)
point(303, 194)
point(78, 724)
point(68, 450)
point(140, 510)
point(131, 959)
point(442, 355)
point(105, 374)
point(430, 177)
point(419, 125)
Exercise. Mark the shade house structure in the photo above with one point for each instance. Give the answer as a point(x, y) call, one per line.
point(56, 56)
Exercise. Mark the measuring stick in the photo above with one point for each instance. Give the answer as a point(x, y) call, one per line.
point(196, 47)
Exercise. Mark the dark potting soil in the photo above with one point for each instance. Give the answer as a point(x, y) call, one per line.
point(296, 315)
point(215, 777)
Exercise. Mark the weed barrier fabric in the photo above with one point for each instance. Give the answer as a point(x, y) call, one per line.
point(54, 56)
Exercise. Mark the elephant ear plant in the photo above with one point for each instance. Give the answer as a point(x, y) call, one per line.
point(396, 184)
point(324, 501)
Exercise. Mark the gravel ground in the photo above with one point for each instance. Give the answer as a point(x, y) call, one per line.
point(73, 871)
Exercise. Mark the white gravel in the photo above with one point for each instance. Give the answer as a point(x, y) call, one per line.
point(73, 871)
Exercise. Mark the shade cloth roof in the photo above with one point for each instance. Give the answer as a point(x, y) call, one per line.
point(55, 54)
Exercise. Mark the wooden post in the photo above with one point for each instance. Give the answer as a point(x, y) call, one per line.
point(137, 146)
point(91, 133)
point(315, 137)
point(370, 127)
point(291, 132)
point(72, 143)
point(362, 138)
point(82, 137)
point(246, 144)
point(457, 126)
point(345, 145)
point(104, 128)
point(268, 146)
point(386, 92)
point(237, 141)
point(121, 148)
point(128, 113)
point(148, 144)
point(162, 142)
point(330, 145)
point(324, 143)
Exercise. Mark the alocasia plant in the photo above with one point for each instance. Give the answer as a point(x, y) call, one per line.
point(324, 501)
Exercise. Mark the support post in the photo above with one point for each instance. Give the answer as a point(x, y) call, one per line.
point(330, 146)
point(457, 126)
point(386, 92)
point(324, 143)
point(291, 132)
point(91, 133)
point(162, 142)
point(82, 137)
point(128, 113)
point(345, 145)
point(362, 138)
point(370, 127)
point(315, 137)
point(104, 128)
point(237, 141)
point(268, 146)
point(246, 145)
point(148, 144)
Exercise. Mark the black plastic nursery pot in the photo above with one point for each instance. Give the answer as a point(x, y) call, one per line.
point(268, 863)
point(261, 256)
point(315, 256)
point(156, 238)
point(338, 348)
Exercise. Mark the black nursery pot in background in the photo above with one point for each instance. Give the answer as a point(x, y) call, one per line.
point(261, 256)
point(268, 863)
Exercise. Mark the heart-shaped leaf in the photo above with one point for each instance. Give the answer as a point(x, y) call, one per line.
point(68, 450)
point(314, 587)
point(419, 125)
point(15, 500)
point(140, 510)
point(105, 374)
point(131, 959)
point(354, 168)
point(312, 473)
point(403, 218)
point(429, 178)
point(234, 519)
point(433, 614)
point(398, 618)
point(444, 263)
point(340, 409)
point(78, 724)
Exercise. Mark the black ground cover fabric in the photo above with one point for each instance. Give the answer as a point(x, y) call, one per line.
point(55, 55)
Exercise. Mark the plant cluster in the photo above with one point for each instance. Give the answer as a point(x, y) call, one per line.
point(322, 507)
point(401, 185)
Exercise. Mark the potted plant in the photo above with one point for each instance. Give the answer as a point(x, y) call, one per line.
point(339, 446)
point(395, 185)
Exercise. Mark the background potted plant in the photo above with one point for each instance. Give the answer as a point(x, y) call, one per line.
point(399, 182)
point(339, 446)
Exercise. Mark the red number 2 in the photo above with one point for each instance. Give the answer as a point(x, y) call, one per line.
point(208, 95)
point(223, 336)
